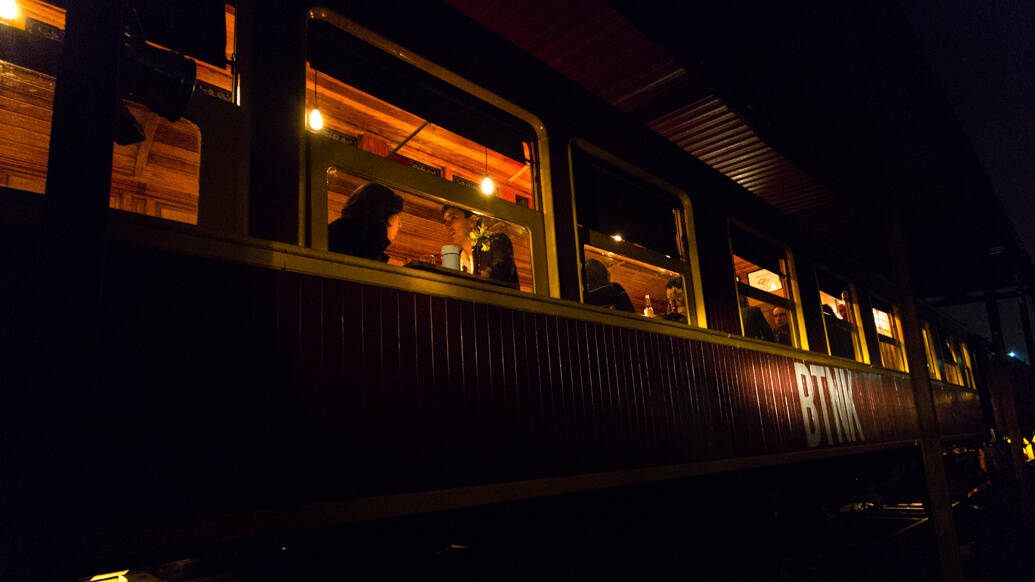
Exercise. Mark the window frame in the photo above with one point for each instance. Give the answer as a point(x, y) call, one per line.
point(798, 336)
point(322, 152)
point(896, 329)
point(963, 368)
point(933, 361)
point(687, 265)
point(862, 352)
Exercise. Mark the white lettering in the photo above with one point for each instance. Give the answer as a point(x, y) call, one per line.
point(837, 407)
point(811, 380)
point(807, 397)
point(818, 374)
point(852, 413)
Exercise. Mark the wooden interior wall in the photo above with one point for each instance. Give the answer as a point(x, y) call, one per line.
point(638, 280)
point(422, 232)
point(157, 177)
point(350, 111)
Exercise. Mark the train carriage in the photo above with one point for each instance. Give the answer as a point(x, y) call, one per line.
point(241, 381)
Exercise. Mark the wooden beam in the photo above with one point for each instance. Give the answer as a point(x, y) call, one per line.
point(144, 149)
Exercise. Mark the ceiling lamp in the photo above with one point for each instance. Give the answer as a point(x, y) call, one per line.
point(488, 187)
point(9, 9)
point(315, 117)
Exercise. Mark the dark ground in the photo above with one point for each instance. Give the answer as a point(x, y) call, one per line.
point(802, 522)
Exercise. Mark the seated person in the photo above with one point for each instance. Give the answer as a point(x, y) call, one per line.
point(781, 326)
point(600, 291)
point(755, 324)
point(676, 300)
point(368, 223)
point(481, 253)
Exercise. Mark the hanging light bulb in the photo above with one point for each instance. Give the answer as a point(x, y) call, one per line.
point(488, 187)
point(315, 118)
point(8, 9)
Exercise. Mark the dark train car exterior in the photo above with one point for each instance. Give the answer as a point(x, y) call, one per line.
point(231, 378)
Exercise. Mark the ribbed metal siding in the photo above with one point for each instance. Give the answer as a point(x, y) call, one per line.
point(274, 383)
point(958, 410)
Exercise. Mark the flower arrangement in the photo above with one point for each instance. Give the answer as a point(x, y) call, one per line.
point(480, 237)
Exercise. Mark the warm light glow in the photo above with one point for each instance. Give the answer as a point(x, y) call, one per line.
point(617, 237)
point(8, 9)
point(112, 576)
point(883, 322)
point(487, 186)
point(315, 120)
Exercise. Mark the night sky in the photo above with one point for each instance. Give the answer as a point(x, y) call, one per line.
point(983, 54)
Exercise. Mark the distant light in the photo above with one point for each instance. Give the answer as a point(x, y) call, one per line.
point(617, 237)
point(315, 120)
point(8, 9)
point(487, 186)
point(1012, 354)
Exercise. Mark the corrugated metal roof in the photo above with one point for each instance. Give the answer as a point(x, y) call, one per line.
point(595, 46)
point(716, 135)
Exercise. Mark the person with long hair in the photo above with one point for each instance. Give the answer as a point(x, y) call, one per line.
point(368, 223)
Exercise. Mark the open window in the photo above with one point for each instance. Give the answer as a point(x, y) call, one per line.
point(889, 335)
point(765, 288)
point(158, 175)
point(840, 317)
point(435, 144)
point(636, 247)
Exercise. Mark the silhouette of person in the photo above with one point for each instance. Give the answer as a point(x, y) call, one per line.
point(369, 223)
point(601, 291)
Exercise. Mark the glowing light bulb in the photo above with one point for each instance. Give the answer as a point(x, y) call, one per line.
point(1012, 354)
point(617, 237)
point(487, 186)
point(315, 120)
point(8, 9)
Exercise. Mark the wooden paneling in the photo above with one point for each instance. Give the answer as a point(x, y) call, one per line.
point(158, 176)
point(638, 279)
point(348, 110)
point(276, 385)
